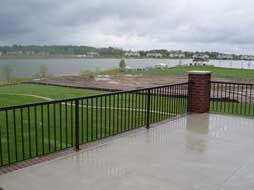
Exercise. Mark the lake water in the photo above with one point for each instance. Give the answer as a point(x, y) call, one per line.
point(28, 67)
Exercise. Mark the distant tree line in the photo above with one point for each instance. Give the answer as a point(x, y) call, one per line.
point(108, 52)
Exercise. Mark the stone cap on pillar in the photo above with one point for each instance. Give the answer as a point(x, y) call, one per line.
point(199, 72)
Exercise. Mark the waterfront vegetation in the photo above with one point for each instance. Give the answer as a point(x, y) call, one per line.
point(65, 51)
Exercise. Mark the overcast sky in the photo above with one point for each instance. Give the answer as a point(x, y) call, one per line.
point(213, 25)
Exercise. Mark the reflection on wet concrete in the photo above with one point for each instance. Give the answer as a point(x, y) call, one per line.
point(199, 151)
point(197, 132)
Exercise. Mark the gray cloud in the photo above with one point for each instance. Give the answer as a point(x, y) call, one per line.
point(214, 25)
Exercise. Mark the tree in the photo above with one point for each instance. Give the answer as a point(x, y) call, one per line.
point(122, 65)
point(7, 70)
point(43, 71)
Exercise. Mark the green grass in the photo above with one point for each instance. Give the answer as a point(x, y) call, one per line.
point(183, 70)
point(47, 91)
point(39, 90)
point(7, 100)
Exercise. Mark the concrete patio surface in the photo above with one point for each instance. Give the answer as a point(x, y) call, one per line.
point(195, 152)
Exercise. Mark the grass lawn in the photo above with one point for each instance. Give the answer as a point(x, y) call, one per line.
point(183, 70)
point(6, 100)
point(38, 90)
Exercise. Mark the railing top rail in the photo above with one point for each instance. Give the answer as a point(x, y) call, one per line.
point(87, 97)
point(233, 83)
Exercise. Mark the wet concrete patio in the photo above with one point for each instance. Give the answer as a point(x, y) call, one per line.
point(198, 152)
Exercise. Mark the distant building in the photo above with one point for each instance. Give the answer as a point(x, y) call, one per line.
point(92, 54)
point(157, 55)
point(14, 53)
point(42, 53)
point(88, 55)
point(132, 54)
point(29, 53)
point(200, 57)
point(177, 55)
point(247, 57)
point(81, 56)
point(225, 56)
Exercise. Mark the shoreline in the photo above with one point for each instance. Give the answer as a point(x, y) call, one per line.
point(118, 58)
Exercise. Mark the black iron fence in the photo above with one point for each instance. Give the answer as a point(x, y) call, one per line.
point(232, 98)
point(33, 130)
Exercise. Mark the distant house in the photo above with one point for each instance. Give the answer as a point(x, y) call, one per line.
point(81, 56)
point(177, 55)
point(132, 54)
point(42, 53)
point(225, 56)
point(29, 53)
point(92, 54)
point(200, 58)
point(88, 55)
point(14, 53)
point(156, 55)
point(247, 57)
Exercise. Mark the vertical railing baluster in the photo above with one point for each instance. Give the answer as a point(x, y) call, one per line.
point(66, 125)
point(105, 123)
point(54, 112)
point(82, 121)
point(15, 135)
point(49, 144)
point(22, 133)
point(77, 124)
point(92, 125)
point(109, 114)
point(72, 143)
point(29, 132)
point(113, 114)
point(42, 130)
point(96, 117)
point(61, 128)
point(148, 109)
point(101, 117)
point(36, 132)
point(117, 114)
point(87, 121)
point(7, 137)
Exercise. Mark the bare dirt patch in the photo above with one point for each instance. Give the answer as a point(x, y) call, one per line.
point(120, 82)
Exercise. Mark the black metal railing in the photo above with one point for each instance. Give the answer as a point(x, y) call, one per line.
point(33, 130)
point(232, 98)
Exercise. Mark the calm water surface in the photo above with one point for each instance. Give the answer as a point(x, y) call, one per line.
point(28, 67)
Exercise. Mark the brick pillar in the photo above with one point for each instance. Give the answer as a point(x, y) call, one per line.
point(199, 91)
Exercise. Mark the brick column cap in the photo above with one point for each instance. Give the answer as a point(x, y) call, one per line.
point(200, 72)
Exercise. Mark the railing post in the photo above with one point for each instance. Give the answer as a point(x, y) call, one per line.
point(199, 91)
point(77, 123)
point(148, 109)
